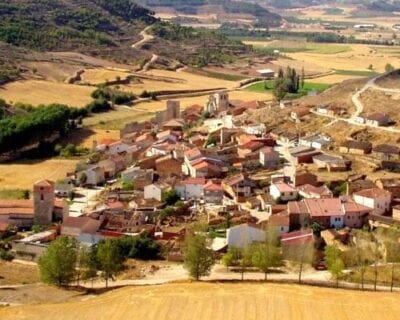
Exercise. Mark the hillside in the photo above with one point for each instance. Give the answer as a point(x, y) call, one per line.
point(218, 301)
point(65, 25)
point(260, 13)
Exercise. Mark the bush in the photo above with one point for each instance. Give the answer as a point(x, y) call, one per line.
point(98, 105)
point(6, 255)
point(139, 247)
point(128, 186)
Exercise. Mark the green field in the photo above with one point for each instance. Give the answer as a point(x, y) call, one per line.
point(267, 86)
point(359, 73)
point(14, 194)
point(300, 46)
point(222, 76)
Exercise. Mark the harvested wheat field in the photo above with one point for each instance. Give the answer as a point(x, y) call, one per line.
point(219, 301)
point(98, 76)
point(358, 59)
point(23, 174)
point(334, 78)
point(194, 80)
point(37, 92)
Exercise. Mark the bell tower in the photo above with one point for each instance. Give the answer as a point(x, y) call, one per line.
point(43, 202)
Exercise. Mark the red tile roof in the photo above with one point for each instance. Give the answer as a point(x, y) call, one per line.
point(373, 193)
point(197, 181)
point(213, 186)
point(298, 237)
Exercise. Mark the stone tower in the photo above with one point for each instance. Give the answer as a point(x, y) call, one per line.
point(222, 99)
point(43, 201)
point(173, 110)
point(217, 102)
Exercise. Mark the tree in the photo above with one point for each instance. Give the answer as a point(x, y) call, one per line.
point(301, 253)
point(170, 197)
point(278, 90)
point(89, 264)
point(231, 258)
point(360, 253)
point(389, 67)
point(57, 264)
point(268, 254)
point(303, 77)
point(138, 247)
point(245, 261)
point(286, 82)
point(109, 259)
point(82, 178)
point(334, 262)
point(198, 258)
point(390, 238)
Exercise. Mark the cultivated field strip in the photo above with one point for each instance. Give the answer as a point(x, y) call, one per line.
point(220, 302)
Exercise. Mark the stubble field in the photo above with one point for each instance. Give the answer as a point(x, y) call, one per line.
point(219, 301)
point(38, 92)
point(23, 174)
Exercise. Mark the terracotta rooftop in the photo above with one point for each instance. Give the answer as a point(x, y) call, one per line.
point(373, 193)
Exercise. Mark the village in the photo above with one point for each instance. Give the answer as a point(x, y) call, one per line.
point(216, 166)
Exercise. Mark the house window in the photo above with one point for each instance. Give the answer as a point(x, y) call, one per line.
point(41, 197)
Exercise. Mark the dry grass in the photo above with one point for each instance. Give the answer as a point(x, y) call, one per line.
point(334, 78)
point(23, 174)
point(97, 76)
point(15, 273)
point(390, 81)
point(324, 57)
point(379, 101)
point(84, 137)
point(359, 58)
point(37, 92)
point(219, 301)
point(339, 95)
point(195, 81)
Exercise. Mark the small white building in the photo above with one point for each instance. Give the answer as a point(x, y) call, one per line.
point(133, 173)
point(191, 188)
point(243, 235)
point(94, 176)
point(283, 191)
point(255, 129)
point(155, 191)
point(269, 158)
point(377, 199)
point(266, 73)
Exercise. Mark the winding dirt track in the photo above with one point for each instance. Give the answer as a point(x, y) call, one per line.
point(220, 302)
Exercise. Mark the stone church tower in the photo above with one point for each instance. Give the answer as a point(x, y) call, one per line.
point(43, 202)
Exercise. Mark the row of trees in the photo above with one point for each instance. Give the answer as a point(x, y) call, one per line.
point(16, 131)
point(287, 82)
point(114, 96)
point(66, 261)
point(376, 253)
